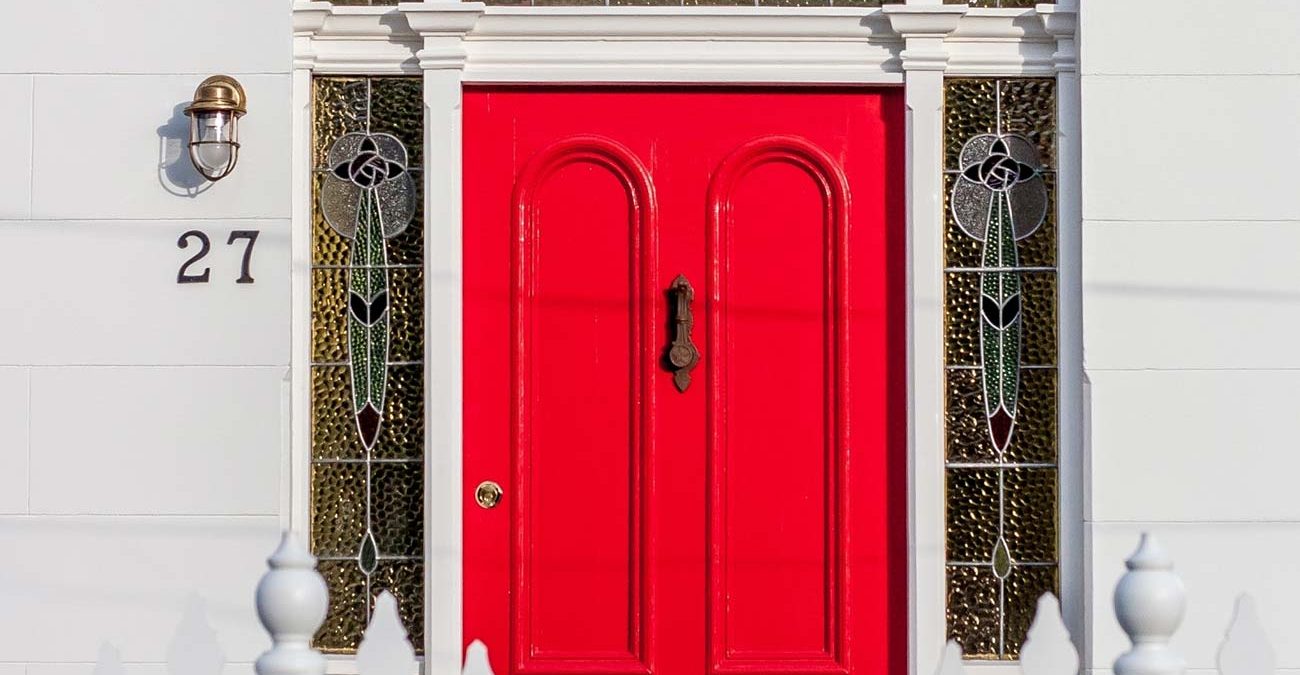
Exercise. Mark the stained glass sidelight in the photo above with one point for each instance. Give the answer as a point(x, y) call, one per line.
point(367, 352)
point(1001, 359)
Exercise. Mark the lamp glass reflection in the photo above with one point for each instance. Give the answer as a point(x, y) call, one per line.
point(213, 142)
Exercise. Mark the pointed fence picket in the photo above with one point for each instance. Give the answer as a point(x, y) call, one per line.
point(1149, 603)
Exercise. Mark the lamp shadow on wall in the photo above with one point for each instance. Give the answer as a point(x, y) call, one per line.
point(176, 173)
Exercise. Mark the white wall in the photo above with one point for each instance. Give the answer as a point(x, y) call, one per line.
point(142, 423)
point(1191, 291)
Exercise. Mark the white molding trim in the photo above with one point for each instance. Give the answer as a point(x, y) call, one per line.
point(914, 45)
point(665, 45)
point(1061, 21)
point(925, 30)
point(442, 27)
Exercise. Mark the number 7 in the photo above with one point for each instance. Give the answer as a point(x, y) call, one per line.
point(251, 236)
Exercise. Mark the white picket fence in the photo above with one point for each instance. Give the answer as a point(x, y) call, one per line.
point(292, 600)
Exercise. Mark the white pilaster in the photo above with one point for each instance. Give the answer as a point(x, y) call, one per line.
point(308, 18)
point(442, 27)
point(923, 28)
point(1060, 21)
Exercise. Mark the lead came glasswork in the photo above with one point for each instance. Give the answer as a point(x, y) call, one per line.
point(998, 200)
point(367, 353)
point(1000, 333)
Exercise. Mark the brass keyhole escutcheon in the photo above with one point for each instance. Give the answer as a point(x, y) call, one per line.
point(488, 494)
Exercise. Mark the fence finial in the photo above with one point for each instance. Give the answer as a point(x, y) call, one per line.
point(385, 648)
point(1149, 603)
point(1048, 649)
point(291, 602)
point(950, 663)
point(1246, 649)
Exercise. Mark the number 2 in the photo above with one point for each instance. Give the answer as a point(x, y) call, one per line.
point(184, 277)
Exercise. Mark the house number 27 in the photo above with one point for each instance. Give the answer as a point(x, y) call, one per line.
point(185, 276)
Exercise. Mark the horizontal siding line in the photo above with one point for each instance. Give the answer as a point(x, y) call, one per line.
point(212, 219)
point(236, 366)
point(1188, 221)
point(1226, 369)
point(1184, 523)
point(131, 73)
point(174, 516)
point(1177, 76)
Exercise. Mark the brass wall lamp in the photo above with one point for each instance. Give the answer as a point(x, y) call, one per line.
point(214, 115)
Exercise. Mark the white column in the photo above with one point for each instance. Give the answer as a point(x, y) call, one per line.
point(1060, 20)
point(308, 18)
point(923, 28)
point(443, 26)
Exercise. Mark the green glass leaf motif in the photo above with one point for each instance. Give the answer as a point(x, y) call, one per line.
point(368, 319)
point(1000, 324)
point(368, 556)
point(1001, 559)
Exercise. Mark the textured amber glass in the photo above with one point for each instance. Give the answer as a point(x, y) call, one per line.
point(1000, 300)
point(367, 491)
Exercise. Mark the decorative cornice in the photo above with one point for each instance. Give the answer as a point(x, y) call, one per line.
point(681, 44)
point(684, 23)
point(442, 25)
point(924, 20)
point(309, 16)
point(445, 18)
point(923, 29)
point(1062, 23)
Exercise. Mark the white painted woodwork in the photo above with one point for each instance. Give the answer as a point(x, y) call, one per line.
point(145, 36)
point(122, 305)
point(1047, 649)
point(675, 44)
point(128, 668)
point(14, 448)
point(950, 661)
point(386, 648)
point(194, 648)
point(1149, 604)
point(1218, 561)
point(1061, 22)
point(453, 43)
point(1179, 295)
point(148, 441)
point(1162, 159)
point(1184, 450)
point(1188, 292)
point(1246, 649)
point(291, 602)
point(72, 583)
point(1189, 29)
point(16, 120)
point(476, 659)
point(129, 161)
point(108, 661)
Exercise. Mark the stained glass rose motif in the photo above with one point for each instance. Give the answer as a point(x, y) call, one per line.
point(1000, 198)
point(368, 197)
point(361, 162)
point(368, 168)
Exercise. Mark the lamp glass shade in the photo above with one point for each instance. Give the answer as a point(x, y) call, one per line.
point(214, 142)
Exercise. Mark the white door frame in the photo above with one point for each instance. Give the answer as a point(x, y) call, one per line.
point(913, 45)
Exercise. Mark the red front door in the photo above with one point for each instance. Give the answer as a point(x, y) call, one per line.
point(745, 515)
